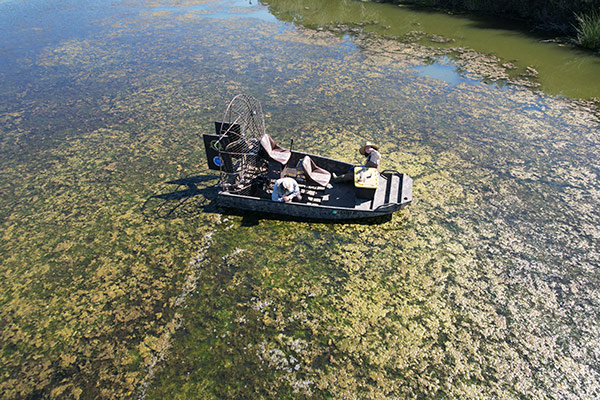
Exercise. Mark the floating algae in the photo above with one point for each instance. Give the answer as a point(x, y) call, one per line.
point(485, 288)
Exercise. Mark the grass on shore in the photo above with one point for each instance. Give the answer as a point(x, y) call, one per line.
point(588, 30)
point(574, 18)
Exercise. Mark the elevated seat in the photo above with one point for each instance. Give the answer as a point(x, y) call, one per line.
point(315, 174)
point(273, 151)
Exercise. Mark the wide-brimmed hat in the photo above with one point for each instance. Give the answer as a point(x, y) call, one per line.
point(367, 144)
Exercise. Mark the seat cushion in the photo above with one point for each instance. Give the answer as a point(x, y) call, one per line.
point(315, 173)
point(273, 151)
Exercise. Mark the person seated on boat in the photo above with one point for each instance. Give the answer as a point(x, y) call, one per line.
point(370, 151)
point(285, 190)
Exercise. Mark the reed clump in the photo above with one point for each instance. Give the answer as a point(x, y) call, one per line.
point(588, 30)
point(577, 19)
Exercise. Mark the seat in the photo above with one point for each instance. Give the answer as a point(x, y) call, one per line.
point(314, 173)
point(273, 151)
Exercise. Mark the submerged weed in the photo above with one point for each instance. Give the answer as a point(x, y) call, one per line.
point(482, 288)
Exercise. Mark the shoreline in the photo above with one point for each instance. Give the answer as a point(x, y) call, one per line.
point(473, 64)
point(561, 25)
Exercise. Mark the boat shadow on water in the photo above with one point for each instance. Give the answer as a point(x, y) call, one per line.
point(182, 198)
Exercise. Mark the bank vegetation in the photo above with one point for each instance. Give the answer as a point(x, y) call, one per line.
point(577, 19)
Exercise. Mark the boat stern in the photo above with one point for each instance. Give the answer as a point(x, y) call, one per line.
point(407, 190)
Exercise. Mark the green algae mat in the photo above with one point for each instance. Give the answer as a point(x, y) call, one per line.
point(121, 278)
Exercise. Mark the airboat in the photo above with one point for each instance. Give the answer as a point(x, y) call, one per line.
point(250, 161)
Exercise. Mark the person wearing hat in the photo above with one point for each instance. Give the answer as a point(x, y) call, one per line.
point(368, 150)
point(373, 157)
point(285, 190)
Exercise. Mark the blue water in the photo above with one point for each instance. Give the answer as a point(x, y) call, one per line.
point(444, 70)
point(223, 10)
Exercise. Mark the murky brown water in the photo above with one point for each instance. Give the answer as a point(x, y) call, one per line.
point(486, 287)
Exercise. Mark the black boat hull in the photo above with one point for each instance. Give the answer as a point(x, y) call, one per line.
point(301, 210)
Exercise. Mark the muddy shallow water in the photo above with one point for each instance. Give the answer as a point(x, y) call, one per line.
point(121, 278)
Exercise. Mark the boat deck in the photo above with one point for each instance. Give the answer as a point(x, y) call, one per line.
point(342, 194)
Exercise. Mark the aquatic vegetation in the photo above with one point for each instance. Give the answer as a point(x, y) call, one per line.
point(443, 31)
point(121, 279)
point(424, 306)
point(85, 274)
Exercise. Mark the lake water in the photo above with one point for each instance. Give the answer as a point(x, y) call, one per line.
point(121, 277)
point(563, 69)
